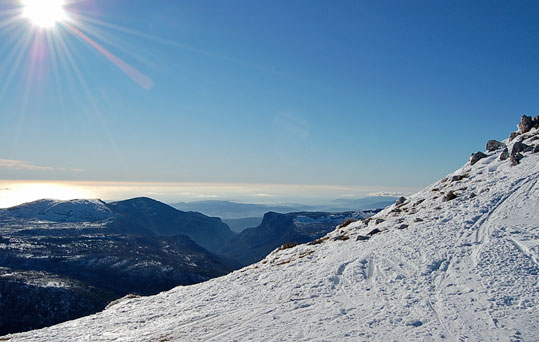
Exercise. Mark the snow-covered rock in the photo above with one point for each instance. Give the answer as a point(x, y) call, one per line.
point(464, 269)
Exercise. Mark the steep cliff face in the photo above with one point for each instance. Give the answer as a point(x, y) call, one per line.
point(253, 244)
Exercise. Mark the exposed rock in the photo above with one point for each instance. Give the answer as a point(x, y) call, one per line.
point(400, 201)
point(366, 220)
point(343, 237)
point(402, 226)
point(515, 159)
point(459, 177)
point(252, 245)
point(472, 195)
point(362, 238)
point(513, 135)
point(419, 202)
point(536, 149)
point(417, 219)
point(449, 196)
point(526, 124)
point(415, 323)
point(505, 154)
point(476, 157)
point(379, 220)
point(493, 145)
point(374, 231)
point(520, 147)
point(346, 223)
point(287, 245)
point(318, 241)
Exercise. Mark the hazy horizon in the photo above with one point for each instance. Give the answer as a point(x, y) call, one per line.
point(343, 97)
point(14, 193)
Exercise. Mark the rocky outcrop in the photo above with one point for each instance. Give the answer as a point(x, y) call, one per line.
point(513, 135)
point(505, 154)
point(374, 231)
point(520, 147)
point(527, 123)
point(400, 201)
point(449, 196)
point(476, 157)
point(493, 145)
point(516, 158)
point(517, 150)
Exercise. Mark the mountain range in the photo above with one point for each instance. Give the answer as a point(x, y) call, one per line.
point(61, 260)
point(457, 261)
point(234, 210)
point(65, 259)
point(253, 244)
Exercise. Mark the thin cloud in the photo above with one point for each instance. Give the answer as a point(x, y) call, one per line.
point(22, 165)
point(388, 194)
point(25, 165)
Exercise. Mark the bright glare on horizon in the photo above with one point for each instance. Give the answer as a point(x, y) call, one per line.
point(44, 13)
point(27, 192)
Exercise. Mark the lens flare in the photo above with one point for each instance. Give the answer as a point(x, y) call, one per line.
point(44, 13)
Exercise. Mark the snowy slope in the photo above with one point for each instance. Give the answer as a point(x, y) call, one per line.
point(463, 269)
point(82, 210)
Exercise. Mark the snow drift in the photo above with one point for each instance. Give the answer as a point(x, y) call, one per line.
point(454, 262)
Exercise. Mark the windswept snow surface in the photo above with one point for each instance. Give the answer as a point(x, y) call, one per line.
point(464, 269)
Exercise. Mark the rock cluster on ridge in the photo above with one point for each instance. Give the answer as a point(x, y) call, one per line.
point(527, 123)
point(520, 142)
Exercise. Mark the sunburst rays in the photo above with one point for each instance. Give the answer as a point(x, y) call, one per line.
point(47, 42)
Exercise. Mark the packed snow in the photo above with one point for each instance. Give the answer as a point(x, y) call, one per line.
point(454, 262)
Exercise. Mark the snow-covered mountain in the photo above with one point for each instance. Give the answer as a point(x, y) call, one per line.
point(454, 262)
point(140, 216)
point(60, 211)
point(61, 260)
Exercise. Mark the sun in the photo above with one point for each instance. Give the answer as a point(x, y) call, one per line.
point(45, 13)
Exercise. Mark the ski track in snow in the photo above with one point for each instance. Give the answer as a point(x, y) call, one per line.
point(467, 272)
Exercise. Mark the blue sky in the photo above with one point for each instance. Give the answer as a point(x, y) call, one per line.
point(388, 94)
